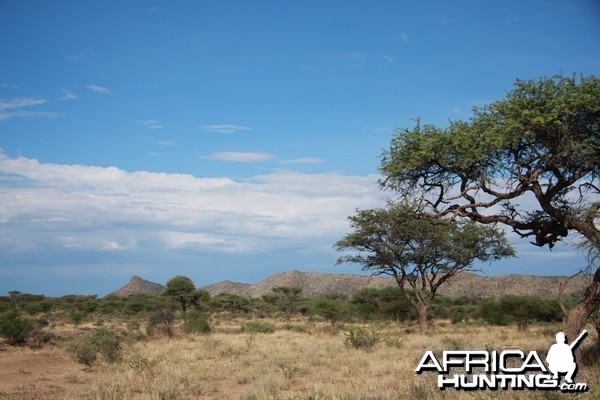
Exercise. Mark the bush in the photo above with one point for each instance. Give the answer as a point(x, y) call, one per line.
point(103, 343)
point(83, 351)
point(14, 328)
point(330, 309)
point(521, 310)
point(161, 321)
point(76, 317)
point(107, 345)
point(258, 327)
point(196, 322)
point(361, 339)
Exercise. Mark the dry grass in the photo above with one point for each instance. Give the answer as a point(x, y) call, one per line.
point(297, 365)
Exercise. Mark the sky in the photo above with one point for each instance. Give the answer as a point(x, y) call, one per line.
point(230, 140)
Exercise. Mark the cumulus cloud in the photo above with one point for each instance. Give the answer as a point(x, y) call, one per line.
point(246, 157)
point(105, 209)
point(224, 128)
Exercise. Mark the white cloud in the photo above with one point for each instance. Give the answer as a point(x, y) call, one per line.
point(403, 37)
point(13, 109)
point(355, 55)
point(98, 89)
point(513, 20)
point(304, 160)
point(165, 142)
point(224, 128)
point(4, 115)
point(246, 157)
point(69, 96)
point(87, 208)
point(150, 124)
point(20, 102)
point(111, 245)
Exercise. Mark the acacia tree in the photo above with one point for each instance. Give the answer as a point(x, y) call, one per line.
point(288, 298)
point(183, 291)
point(417, 251)
point(529, 161)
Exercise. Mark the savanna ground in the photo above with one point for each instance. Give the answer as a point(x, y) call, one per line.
point(301, 360)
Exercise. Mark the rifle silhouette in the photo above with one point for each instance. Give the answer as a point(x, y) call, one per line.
point(576, 341)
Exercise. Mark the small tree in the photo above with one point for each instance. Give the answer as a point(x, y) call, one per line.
point(287, 299)
point(14, 328)
point(182, 290)
point(330, 309)
point(162, 319)
point(418, 252)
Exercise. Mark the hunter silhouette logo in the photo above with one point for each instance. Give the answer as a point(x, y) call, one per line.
point(560, 356)
point(509, 369)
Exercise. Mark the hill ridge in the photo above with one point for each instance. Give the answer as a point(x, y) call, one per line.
point(464, 284)
point(137, 285)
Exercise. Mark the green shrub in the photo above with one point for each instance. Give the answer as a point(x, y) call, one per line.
point(331, 309)
point(161, 321)
point(296, 328)
point(14, 328)
point(107, 345)
point(103, 343)
point(83, 351)
point(258, 327)
point(361, 339)
point(393, 341)
point(32, 308)
point(76, 317)
point(196, 322)
point(90, 306)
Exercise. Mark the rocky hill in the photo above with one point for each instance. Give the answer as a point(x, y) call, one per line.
point(464, 284)
point(138, 285)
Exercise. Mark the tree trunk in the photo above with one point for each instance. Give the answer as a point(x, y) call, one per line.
point(576, 317)
point(423, 312)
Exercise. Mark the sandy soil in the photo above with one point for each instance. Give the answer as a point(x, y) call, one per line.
point(37, 376)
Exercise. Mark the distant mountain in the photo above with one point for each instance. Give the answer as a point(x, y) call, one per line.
point(138, 285)
point(464, 284)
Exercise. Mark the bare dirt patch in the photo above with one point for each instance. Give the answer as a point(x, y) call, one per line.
point(37, 375)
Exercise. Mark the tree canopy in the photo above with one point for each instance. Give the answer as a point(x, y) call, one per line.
point(417, 251)
point(529, 161)
point(183, 291)
point(539, 146)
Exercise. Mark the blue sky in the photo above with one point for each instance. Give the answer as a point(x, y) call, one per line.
point(231, 139)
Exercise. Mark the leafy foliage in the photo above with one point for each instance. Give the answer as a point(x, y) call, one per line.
point(182, 290)
point(196, 322)
point(331, 309)
point(521, 310)
point(287, 299)
point(543, 138)
point(258, 327)
point(103, 343)
point(358, 338)
point(14, 328)
point(419, 252)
